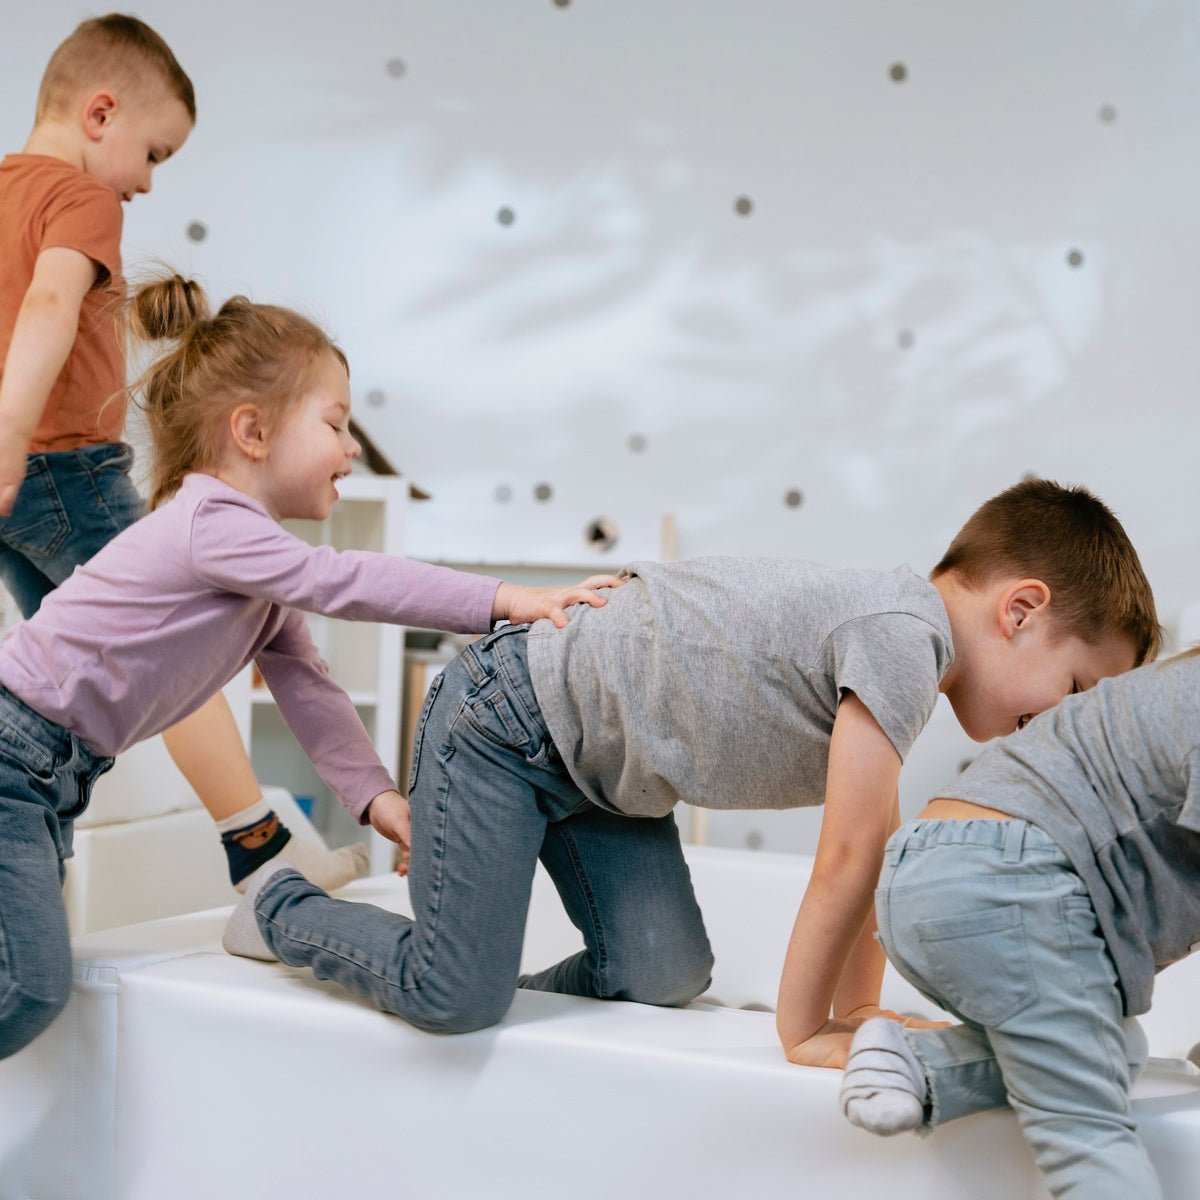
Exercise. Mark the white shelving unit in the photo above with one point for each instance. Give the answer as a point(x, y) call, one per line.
point(366, 659)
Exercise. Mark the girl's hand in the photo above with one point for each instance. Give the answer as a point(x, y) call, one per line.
point(389, 817)
point(828, 1047)
point(526, 604)
point(866, 1011)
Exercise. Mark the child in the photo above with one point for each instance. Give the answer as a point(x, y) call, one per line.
point(729, 684)
point(249, 417)
point(1036, 900)
point(114, 103)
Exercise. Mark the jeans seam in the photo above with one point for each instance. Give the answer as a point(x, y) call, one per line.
point(1074, 949)
point(593, 910)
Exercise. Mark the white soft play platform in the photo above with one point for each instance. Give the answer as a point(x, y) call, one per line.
point(180, 1072)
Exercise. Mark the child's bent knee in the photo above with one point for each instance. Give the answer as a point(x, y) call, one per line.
point(25, 1017)
point(457, 1016)
point(668, 988)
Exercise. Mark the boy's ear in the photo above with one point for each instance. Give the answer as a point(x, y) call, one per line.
point(247, 430)
point(1020, 603)
point(98, 112)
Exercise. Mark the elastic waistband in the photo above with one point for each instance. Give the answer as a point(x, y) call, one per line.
point(1013, 836)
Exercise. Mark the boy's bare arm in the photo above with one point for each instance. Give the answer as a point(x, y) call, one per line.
point(857, 994)
point(860, 796)
point(42, 338)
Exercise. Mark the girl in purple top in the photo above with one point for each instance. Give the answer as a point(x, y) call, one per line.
point(249, 416)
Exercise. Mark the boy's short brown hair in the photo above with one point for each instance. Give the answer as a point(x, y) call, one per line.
point(1074, 544)
point(115, 48)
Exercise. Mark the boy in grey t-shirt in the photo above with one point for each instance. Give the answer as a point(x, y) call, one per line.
point(725, 683)
point(1036, 899)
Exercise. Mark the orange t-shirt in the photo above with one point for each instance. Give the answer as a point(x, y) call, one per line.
point(45, 202)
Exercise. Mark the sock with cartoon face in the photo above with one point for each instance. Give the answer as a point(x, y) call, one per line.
point(256, 836)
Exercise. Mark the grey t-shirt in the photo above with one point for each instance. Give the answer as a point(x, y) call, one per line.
point(716, 680)
point(1113, 776)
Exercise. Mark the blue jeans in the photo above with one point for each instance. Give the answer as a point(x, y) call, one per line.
point(988, 919)
point(46, 777)
point(71, 503)
point(490, 796)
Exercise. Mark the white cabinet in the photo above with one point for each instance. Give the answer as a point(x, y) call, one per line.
point(364, 658)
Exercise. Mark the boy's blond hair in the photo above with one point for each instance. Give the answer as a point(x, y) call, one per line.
point(115, 49)
point(1074, 544)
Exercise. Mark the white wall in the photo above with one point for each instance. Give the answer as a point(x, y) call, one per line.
point(895, 328)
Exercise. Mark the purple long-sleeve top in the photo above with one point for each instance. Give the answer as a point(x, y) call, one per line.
point(172, 608)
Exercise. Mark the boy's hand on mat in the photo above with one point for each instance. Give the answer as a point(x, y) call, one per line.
point(828, 1047)
point(866, 1011)
point(521, 605)
point(389, 817)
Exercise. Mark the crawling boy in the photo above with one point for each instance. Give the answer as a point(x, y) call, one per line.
point(753, 683)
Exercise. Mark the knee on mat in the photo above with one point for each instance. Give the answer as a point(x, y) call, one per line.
point(25, 1016)
point(458, 1016)
point(662, 983)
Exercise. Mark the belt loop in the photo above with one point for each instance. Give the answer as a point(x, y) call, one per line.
point(476, 669)
point(893, 850)
point(1014, 840)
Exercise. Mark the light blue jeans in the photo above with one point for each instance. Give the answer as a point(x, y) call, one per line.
point(988, 920)
point(490, 796)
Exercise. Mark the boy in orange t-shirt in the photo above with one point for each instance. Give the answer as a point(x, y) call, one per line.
point(113, 104)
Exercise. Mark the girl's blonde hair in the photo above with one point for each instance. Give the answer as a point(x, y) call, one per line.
point(246, 353)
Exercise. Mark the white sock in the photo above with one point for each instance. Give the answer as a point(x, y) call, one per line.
point(328, 869)
point(884, 1087)
point(242, 935)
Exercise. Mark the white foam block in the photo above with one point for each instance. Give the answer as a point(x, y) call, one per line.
point(616, 1098)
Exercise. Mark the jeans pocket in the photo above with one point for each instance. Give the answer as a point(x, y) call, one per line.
point(419, 735)
point(491, 715)
point(23, 753)
point(979, 962)
point(113, 487)
point(39, 522)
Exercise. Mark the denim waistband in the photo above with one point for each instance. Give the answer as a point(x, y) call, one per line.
point(507, 645)
point(50, 736)
point(1012, 836)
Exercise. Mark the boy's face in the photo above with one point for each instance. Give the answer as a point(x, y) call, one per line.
point(1019, 676)
point(128, 139)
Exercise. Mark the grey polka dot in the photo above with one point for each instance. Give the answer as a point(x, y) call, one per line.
point(395, 67)
point(562, 3)
point(793, 498)
point(754, 840)
point(543, 492)
point(1108, 114)
point(506, 216)
point(197, 231)
point(906, 339)
point(1074, 258)
point(898, 72)
point(376, 398)
point(503, 493)
point(601, 534)
point(743, 206)
point(636, 443)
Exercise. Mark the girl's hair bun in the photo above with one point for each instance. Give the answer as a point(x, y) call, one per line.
point(169, 307)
